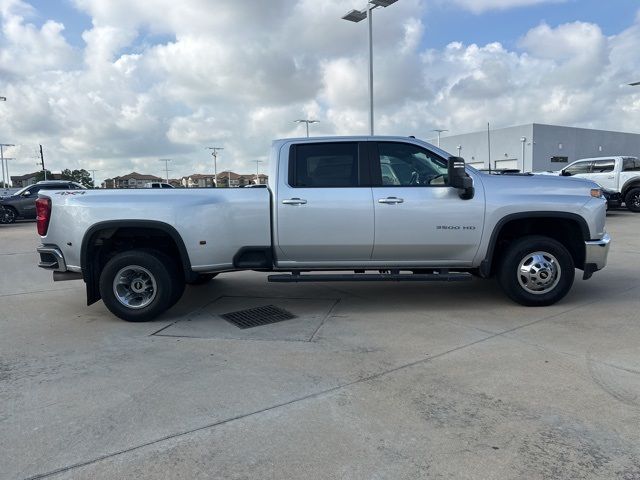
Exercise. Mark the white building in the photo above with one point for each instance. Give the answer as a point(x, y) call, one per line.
point(536, 147)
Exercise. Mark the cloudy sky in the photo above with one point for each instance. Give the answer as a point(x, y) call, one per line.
point(115, 85)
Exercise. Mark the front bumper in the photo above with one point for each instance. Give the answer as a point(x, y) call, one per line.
point(596, 253)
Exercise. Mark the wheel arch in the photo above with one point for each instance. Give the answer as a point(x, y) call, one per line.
point(92, 258)
point(629, 184)
point(570, 229)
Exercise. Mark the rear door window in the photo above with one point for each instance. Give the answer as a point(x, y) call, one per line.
point(325, 165)
point(631, 165)
point(604, 166)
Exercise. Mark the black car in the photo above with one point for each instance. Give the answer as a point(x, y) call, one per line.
point(613, 198)
point(22, 204)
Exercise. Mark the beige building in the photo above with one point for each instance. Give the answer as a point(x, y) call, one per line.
point(132, 180)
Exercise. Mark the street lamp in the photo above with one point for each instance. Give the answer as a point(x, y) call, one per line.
point(8, 184)
point(357, 16)
point(3, 99)
point(307, 122)
point(459, 150)
point(2, 145)
point(214, 154)
point(635, 84)
point(439, 130)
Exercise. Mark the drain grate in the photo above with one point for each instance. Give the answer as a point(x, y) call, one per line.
point(258, 316)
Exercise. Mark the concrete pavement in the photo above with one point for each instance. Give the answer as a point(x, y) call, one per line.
point(370, 381)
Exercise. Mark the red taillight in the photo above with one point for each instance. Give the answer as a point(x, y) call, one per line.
point(43, 212)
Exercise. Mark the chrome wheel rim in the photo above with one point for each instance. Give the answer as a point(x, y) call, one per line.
point(539, 273)
point(134, 287)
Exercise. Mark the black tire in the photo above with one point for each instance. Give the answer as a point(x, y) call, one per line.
point(176, 274)
point(632, 199)
point(540, 286)
point(151, 268)
point(7, 215)
point(203, 278)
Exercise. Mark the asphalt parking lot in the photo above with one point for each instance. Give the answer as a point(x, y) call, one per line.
point(393, 381)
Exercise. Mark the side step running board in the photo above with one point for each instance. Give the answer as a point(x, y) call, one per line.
point(372, 277)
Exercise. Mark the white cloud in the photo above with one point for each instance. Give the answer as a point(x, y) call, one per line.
point(237, 73)
point(479, 6)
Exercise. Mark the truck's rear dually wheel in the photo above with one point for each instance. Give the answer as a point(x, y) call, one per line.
point(536, 271)
point(139, 285)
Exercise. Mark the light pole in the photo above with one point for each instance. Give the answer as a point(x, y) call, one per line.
point(307, 122)
point(2, 145)
point(439, 130)
point(93, 177)
point(459, 150)
point(357, 16)
point(214, 154)
point(166, 166)
point(258, 162)
point(8, 184)
point(524, 142)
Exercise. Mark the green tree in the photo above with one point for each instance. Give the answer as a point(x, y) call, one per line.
point(40, 175)
point(81, 176)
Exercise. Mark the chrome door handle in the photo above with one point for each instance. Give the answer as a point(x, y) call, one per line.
point(391, 200)
point(294, 201)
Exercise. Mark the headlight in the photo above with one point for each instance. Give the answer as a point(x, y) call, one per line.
point(596, 192)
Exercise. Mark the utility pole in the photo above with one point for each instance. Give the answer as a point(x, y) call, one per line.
point(2, 145)
point(42, 162)
point(489, 143)
point(258, 162)
point(214, 154)
point(166, 166)
point(93, 177)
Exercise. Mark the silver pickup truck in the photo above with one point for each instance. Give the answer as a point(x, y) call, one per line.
point(336, 209)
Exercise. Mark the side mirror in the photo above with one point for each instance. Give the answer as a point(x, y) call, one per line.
point(564, 173)
point(26, 194)
point(459, 179)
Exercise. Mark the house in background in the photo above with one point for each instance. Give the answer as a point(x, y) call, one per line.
point(132, 180)
point(198, 180)
point(238, 180)
point(19, 181)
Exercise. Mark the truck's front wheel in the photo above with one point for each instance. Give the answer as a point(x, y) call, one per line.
point(138, 285)
point(536, 271)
